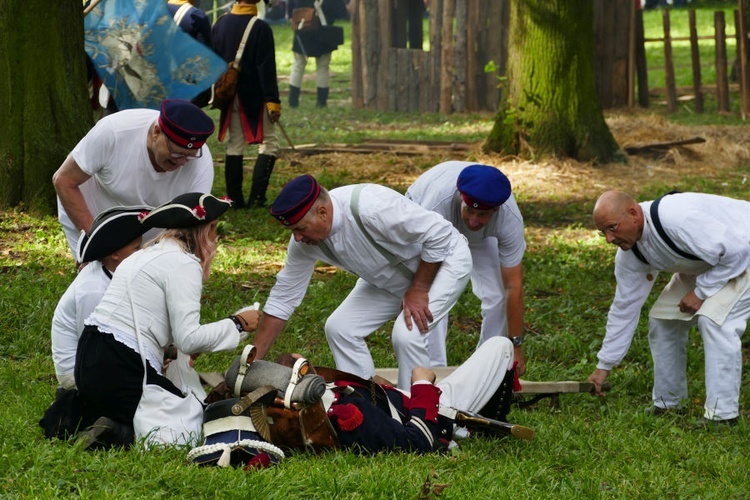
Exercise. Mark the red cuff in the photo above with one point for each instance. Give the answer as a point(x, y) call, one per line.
point(426, 396)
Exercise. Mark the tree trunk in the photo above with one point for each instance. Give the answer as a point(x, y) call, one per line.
point(43, 97)
point(550, 106)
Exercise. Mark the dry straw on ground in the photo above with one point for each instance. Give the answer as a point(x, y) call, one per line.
point(726, 147)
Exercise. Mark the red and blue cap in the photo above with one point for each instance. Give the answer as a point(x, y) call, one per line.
point(483, 187)
point(295, 199)
point(184, 123)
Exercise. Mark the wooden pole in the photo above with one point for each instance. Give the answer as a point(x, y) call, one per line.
point(631, 56)
point(743, 55)
point(722, 80)
point(640, 61)
point(446, 71)
point(91, 7)
point(669, 64)
point(696, 60)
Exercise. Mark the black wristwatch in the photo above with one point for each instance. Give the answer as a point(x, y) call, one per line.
point(517, 341)
point(237, 323)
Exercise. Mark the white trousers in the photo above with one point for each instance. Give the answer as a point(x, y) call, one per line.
point(322, 70)
point(236, 142)
point(722, 345)
point(473, 383)
point(367, 308)
point(487, 286)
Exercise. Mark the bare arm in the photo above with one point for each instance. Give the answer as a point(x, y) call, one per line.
point(416, 300)
point(67, 180)
point(514, 309)
point(268, 330)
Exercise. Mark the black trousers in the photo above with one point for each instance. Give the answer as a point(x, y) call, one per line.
point(109, 376)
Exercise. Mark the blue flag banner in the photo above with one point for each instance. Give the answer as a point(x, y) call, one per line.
point(143, 57)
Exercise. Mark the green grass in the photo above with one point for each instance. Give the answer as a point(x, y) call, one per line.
point(585, 448)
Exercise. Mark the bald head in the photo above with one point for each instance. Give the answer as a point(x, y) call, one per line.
point(619, 217)
point(613, 203)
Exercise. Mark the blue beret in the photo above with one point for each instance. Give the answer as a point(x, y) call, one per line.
point(187, 210)
point(295, 199)
point(483, 187)
point(184, 123)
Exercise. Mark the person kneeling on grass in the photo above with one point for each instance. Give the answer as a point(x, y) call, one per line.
point(115, 234)
point(153, 301)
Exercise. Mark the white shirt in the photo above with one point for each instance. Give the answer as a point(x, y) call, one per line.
point(399, 225)
point(114, 153)
point(75, 305)
point(166, 284)
point(714, 228)
point(436, 190)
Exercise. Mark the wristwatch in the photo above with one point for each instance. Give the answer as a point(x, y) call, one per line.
point(517, 341)
point(237, 323)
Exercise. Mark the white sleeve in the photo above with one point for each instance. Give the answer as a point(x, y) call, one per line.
point(291, 282)
point(633, 287)
point(399, 221)
point(713, 241)
point(94, 151)
point(183, 293)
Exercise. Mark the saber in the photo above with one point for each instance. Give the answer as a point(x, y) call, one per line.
point(474, 421)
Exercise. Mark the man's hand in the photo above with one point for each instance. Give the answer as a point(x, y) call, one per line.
point(422, 373)
point(274, 111)
point(416, 304)
point(690, 303)
point(597, 378)
point(520, 360)
point(248, 317)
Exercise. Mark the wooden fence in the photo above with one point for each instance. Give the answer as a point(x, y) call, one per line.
point(467, 36)
point(721, 63)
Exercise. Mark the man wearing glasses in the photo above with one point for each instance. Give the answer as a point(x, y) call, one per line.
point(705, 241)
point(134, 157)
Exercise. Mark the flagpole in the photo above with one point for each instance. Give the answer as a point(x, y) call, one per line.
point(91, 7)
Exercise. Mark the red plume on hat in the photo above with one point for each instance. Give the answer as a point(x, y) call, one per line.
point(187, 210)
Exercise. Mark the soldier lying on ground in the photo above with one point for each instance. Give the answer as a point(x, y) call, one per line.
point(301, 408)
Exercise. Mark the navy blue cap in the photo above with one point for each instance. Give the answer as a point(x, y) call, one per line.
point(187, 210)
point(483, 187)
point(184, 123)
point(295, 199)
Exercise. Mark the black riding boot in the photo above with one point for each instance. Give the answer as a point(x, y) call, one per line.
point(322, 97)
point(233, 175)
point(499, 404)
point(293, 96)
point(261, 175)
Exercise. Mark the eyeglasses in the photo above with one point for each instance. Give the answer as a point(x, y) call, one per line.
point(611, 229)
point(179, 156)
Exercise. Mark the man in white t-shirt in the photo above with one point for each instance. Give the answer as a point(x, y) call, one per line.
point(477, 200)
point(134, 157)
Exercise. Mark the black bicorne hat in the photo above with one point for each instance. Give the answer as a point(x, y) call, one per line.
point(111, 230)
point(187, 210)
